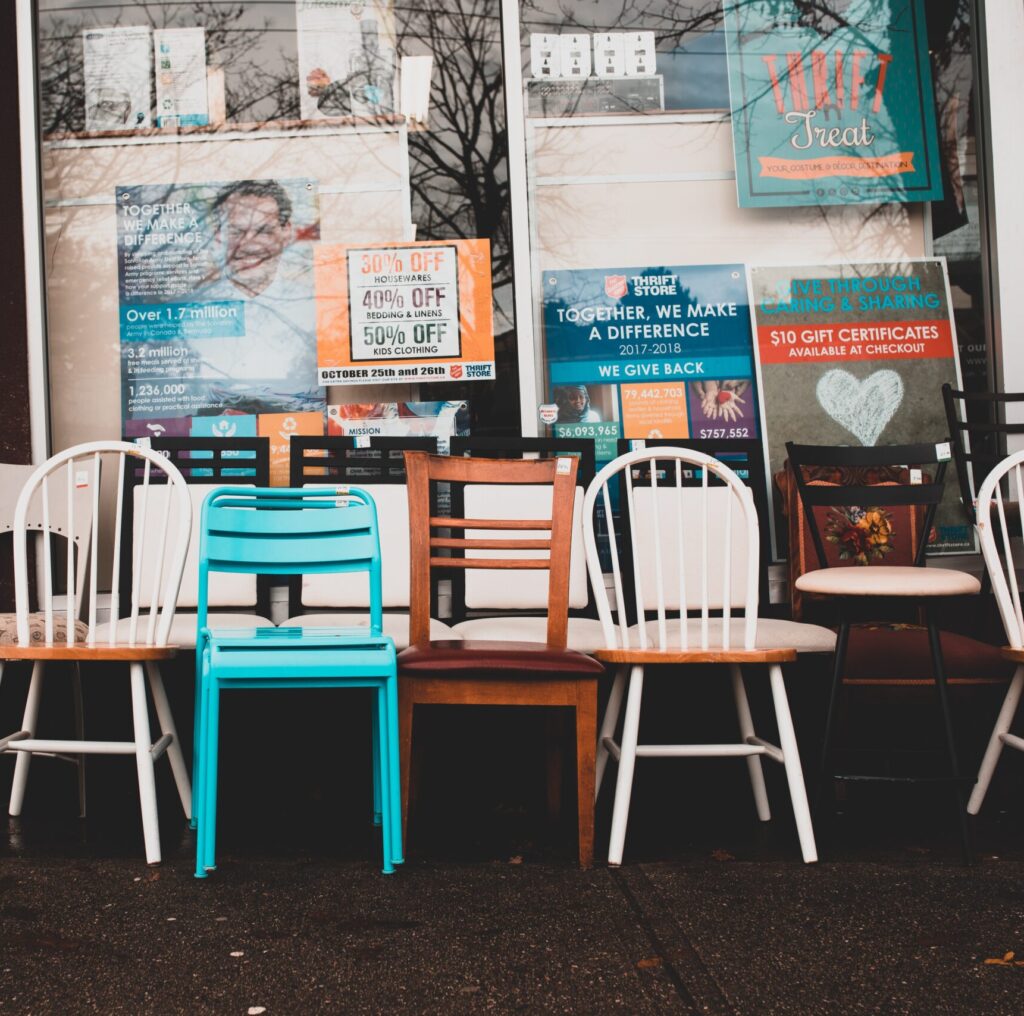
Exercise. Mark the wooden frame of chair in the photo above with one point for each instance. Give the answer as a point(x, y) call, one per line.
point(146, 644)
point(927, 495)
point(472, 681)
point(721, 584)
point(996, 533)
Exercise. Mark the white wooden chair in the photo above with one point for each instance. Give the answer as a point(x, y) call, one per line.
point(59, 636)
point(12, 480)
point(997, 520)
point(692, 549)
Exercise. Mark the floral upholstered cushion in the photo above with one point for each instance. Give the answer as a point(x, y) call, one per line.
point(37, 629)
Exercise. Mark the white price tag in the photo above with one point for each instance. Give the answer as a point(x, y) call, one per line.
point(915, 476)
point(81, 479)
point(943, 452)
point(564, 467)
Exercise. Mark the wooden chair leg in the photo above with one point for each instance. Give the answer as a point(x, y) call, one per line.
point(586, 752)
point(406, 704)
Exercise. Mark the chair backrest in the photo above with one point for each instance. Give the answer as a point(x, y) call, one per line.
point(159, 553)
point(378, 467)
point(288, 531)
point(996, 526)
point(862, 496)
point(12, 479)
point(503, 476)
point(205, 463)
point(977, 436)
point(745, 457)
point(681, 545)
point(483, 590)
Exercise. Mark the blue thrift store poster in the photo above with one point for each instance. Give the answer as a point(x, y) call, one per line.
point(656, 352)
point(831, 102)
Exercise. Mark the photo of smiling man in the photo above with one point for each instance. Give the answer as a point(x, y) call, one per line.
point(218, 313)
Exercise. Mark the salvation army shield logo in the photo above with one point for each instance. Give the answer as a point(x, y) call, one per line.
point(456, 371)
point(615, 286)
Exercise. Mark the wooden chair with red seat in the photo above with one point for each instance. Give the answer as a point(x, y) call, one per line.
point(499, 673)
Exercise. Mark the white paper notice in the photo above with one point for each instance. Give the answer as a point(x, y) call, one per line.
point(118, 66)
point(180, 55)
point(347, 58)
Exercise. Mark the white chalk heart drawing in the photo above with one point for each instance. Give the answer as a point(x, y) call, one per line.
point(864, 408)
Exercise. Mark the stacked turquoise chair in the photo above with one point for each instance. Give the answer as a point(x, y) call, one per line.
point(282, 531)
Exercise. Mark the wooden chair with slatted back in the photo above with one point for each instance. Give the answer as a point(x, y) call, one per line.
point(506, 673)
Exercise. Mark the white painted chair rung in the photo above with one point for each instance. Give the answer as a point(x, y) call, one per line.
point(708, 577)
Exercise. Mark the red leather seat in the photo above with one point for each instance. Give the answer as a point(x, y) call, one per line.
point(478, 657)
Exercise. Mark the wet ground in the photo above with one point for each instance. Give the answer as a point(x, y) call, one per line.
point(712, 912)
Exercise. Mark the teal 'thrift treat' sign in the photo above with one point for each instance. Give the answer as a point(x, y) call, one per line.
point(831, 102)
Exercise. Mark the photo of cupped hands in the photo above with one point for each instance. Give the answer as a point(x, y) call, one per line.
point(722, 400)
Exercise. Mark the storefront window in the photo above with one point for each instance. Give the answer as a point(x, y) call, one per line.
point(680, 153)
point(223, 180)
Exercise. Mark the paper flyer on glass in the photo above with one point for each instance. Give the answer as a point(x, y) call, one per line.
point(117, 66)
point(363, 421)
point(181, 99)
point(648, 353)
point(857, 354)
point(347, 58)
point(394, 313)
point(831, 104)
point(217, 311)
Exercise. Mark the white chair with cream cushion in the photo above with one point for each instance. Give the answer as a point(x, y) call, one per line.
point(523, 591)
point(687, 546)
point(341, 600)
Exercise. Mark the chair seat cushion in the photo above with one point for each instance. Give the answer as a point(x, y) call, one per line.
point(37, 629)
point(771, 634)
point(888, 653)
point(184, 627)
point(585, 633)
point(452, 658)
point(888, 580)
point(396, 625)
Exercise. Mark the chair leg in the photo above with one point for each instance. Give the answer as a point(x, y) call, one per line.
point(586, 746)
point(995, 744)
point(764, 812)
point(608, 725)
point(386, 825)
point(166, 720)
point(393, 787)
point(939, 671)
point(197, 736)
point(791, 760)
point(144, 764)
point(375, 755)
point(199, 772)
point(838, 666)
point(627, 762)
point(28, 722)
point(210, 748)
point(406, 705)
point(79, 704)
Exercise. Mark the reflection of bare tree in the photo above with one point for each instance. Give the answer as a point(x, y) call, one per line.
point(260, 84)
point(458, 169)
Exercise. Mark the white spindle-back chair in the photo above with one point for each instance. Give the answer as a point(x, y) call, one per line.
point(159, 555)
point(999, 496)
point(685, 560)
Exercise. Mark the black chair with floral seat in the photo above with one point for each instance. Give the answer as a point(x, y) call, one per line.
point(851, 523)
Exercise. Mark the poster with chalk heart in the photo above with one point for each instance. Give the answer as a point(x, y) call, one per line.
point(856, 354)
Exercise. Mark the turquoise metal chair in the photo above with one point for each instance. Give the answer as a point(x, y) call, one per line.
point(284, 531)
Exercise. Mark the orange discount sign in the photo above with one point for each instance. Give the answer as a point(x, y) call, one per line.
point(393, 313)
